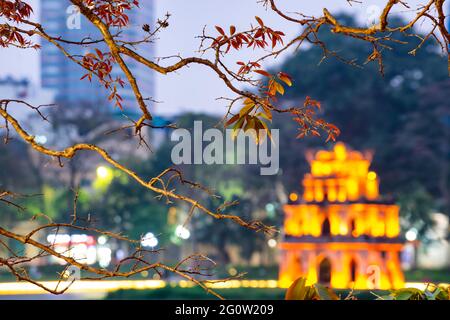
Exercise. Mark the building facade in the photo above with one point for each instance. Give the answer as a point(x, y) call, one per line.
point(62, 75)
point(340, 233)
point(23, 89)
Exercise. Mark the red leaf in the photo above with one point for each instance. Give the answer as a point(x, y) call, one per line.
point(261, 23)
point(264, 73)
point(220, 30)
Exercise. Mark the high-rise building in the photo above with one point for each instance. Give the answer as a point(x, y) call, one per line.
point(61, 19)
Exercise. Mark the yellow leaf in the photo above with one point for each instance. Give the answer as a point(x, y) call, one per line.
point(280, 88)
point(264, 115)
point(286, 80)
point(267, 111)
point(248, 101)
point(297, 291)
point(236, 128)
point(250, 124)
point(272, 87)
point(246, 110)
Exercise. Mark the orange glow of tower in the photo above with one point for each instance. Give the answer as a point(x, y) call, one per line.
point(339, 232)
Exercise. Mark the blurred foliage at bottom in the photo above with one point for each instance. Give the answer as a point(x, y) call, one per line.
point(196, 293)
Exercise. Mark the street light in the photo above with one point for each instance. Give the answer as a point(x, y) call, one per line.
point(149, 240)
point(41, 139)
point(182, 232)
point(102, 240)
point(105, 176)
point(272, 243)
point(103, 172)
point(411, 235)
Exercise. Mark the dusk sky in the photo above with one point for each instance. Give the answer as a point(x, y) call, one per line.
point(197, 88)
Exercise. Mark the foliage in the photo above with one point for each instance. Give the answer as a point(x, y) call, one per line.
point(401, 116)
point(17, 174)
point(300, 291)
point(416, 204)
point(127, 210)
point(425, 276)
point(236, 184)
point(176, 293)
point(431, 292)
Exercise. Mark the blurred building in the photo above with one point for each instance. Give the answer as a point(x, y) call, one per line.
point(15, 88)
point(59, 73)
point(22, 89)
point(340, 233)
point(63, 76)
point(435, 252)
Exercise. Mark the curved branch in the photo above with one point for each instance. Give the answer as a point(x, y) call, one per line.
point(70, 152)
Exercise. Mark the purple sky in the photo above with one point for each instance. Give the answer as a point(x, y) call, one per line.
point(197, 88)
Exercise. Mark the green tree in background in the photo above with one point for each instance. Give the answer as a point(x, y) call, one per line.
point(403, 116)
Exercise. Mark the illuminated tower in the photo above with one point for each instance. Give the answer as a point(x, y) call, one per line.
point(339, 232)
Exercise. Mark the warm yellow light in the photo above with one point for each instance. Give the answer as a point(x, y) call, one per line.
point(372, 189)
point(105, 176)
point(293, 197)
point(343, 229)
point(24, 288)
point(332, 194)
point(342, 195)
point(232, 271)
point(372, 175)
point(318, 191)
point(83, 286)
point(340, 151)
point(308, 194)
point(172, 215)
point(352, 189)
